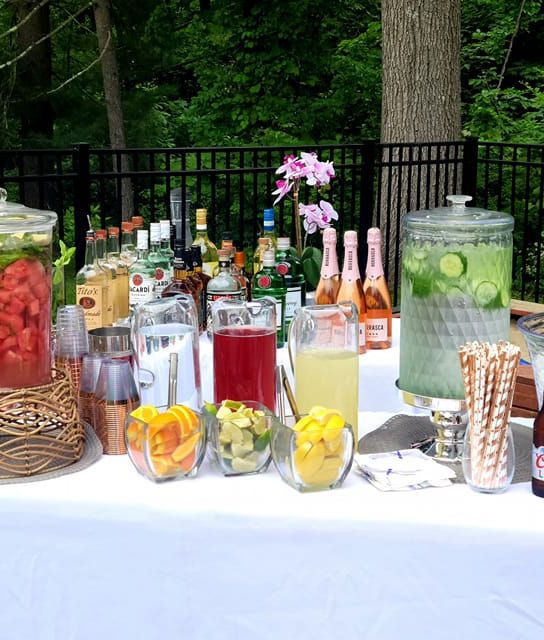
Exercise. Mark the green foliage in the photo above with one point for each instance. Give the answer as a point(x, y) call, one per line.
point(311, 265)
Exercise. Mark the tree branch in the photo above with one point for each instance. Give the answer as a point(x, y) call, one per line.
point(84, 70)
point(27, 17)
point(514, 34)
point(46, 36)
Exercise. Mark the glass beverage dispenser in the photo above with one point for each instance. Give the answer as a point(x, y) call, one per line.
point(25, 295)
point(456, 283)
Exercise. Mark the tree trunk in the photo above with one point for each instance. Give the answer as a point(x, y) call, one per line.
point(421, 102)
point(112, 94)
point(34, 74)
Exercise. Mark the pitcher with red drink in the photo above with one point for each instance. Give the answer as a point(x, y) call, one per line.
point(244, 350)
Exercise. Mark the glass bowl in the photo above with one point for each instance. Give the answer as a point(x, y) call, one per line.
point(167, 446)
point(532, 329)
point(239, 442)
point(315, 458)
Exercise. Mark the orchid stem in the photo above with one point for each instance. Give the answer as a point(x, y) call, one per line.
point(296, 217)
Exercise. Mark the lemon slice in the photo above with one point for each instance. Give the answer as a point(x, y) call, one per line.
point(145, 413)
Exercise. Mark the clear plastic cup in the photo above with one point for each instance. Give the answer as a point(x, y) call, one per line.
point(90, 369)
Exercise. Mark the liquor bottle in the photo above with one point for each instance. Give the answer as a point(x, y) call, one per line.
point(196, 258)
point(268, 282)
point(157, 258)
point(290, 268)
point(122, 272)
point(91, 287)
point(111, 274)
point(329, 282)
point(269, 230)
point(351, 287)
point(207, 247)
point(262, 246)
point(141, 274)
point(128, 248)
point(239, 270)
point(166, 247)
point(195, 281)
point(181, 282)
point(224, 285)
point(137, 223)
point(377, 299)
point(537, 479)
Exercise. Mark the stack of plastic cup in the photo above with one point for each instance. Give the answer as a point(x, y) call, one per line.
point(72, 341)
point(116, 396)
point(90, 369)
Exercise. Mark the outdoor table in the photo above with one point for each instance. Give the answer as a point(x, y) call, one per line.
point(105, 553)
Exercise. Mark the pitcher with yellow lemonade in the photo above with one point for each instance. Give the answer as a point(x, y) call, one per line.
point(323, 348)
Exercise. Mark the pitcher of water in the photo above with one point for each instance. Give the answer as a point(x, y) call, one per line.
point(323, 347)
point(161, 328)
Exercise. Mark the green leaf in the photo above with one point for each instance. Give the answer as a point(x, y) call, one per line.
point(311, 265)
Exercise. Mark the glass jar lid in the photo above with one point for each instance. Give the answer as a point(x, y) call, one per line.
point(459, 218)
point(16, 218)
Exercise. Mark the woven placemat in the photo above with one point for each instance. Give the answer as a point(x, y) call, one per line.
point(92, 452)
point(400, 431)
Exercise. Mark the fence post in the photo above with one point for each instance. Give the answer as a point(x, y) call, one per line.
point(82, 199)
point(368, 160)
point(470, 168)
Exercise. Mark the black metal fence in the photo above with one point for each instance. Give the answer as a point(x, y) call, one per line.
point(375, 185)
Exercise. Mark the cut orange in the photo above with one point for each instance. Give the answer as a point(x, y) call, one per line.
point(161, 421)
point(187, 419)
point(145, 413)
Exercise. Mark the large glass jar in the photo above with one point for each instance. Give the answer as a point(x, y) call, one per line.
point(25, 295)
point(456, 283)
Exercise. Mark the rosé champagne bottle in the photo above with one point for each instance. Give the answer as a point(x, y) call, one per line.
point(351, 287)
point(377, 298)
point(329, 282)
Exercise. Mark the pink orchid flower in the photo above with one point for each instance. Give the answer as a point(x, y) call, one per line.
point(317, 216)
point(283, 188)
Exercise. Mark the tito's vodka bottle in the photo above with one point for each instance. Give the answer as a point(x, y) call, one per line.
point(141, 274)
point(329, 282)
point(377, 298)
point(351, 288)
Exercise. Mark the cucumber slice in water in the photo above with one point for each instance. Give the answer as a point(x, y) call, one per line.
point(485, 293)
point(453, 265)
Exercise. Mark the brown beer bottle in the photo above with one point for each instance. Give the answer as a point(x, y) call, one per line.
point(537, 480)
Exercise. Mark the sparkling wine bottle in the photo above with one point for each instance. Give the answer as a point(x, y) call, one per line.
point(329, 282)
point(377, 298)
point(351, 287)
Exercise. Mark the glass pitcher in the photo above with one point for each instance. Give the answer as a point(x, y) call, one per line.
point(244, 350)
point(161, 328)
point(323, 349)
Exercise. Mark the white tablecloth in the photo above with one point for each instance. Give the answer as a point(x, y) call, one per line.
point(107, 554)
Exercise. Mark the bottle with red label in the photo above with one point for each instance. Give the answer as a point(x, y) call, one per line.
point(537, 480)
point(351, 287)
point(377, 299)
point(289, 266)
point(141, 274)
point(269, 283)
point(163, 269)
point(224, 285)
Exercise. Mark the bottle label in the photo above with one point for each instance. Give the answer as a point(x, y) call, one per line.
point(209, 268)
point(293, 301)
point(374, 268)
point(538, 463)
point(264, 282)
point(89, 296)
point(142, 289)
point(362, 334)
point(283, 268)
point(213, 297)
point(163, 277)
point(376, 330)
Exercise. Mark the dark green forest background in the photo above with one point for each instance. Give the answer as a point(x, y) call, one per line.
point(236, 72)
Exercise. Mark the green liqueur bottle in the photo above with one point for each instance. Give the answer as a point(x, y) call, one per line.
point(290, 268)
point(161, 262)
point(268, 282)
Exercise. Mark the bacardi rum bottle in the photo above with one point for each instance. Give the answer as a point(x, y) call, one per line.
point(329, 282)
point(160, 261)
point(351, 287)
point(141, 274)
point(377, 299)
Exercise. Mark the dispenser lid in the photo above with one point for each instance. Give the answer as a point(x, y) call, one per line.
point(16, 218)
point(459, 217)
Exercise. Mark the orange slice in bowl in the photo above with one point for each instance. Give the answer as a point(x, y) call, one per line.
point(161, 422)
point(145, 412)
point(187, 419)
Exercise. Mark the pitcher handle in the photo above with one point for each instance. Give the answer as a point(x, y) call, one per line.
point(290, 338)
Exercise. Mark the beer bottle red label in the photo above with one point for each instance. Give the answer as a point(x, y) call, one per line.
point(538, 463)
